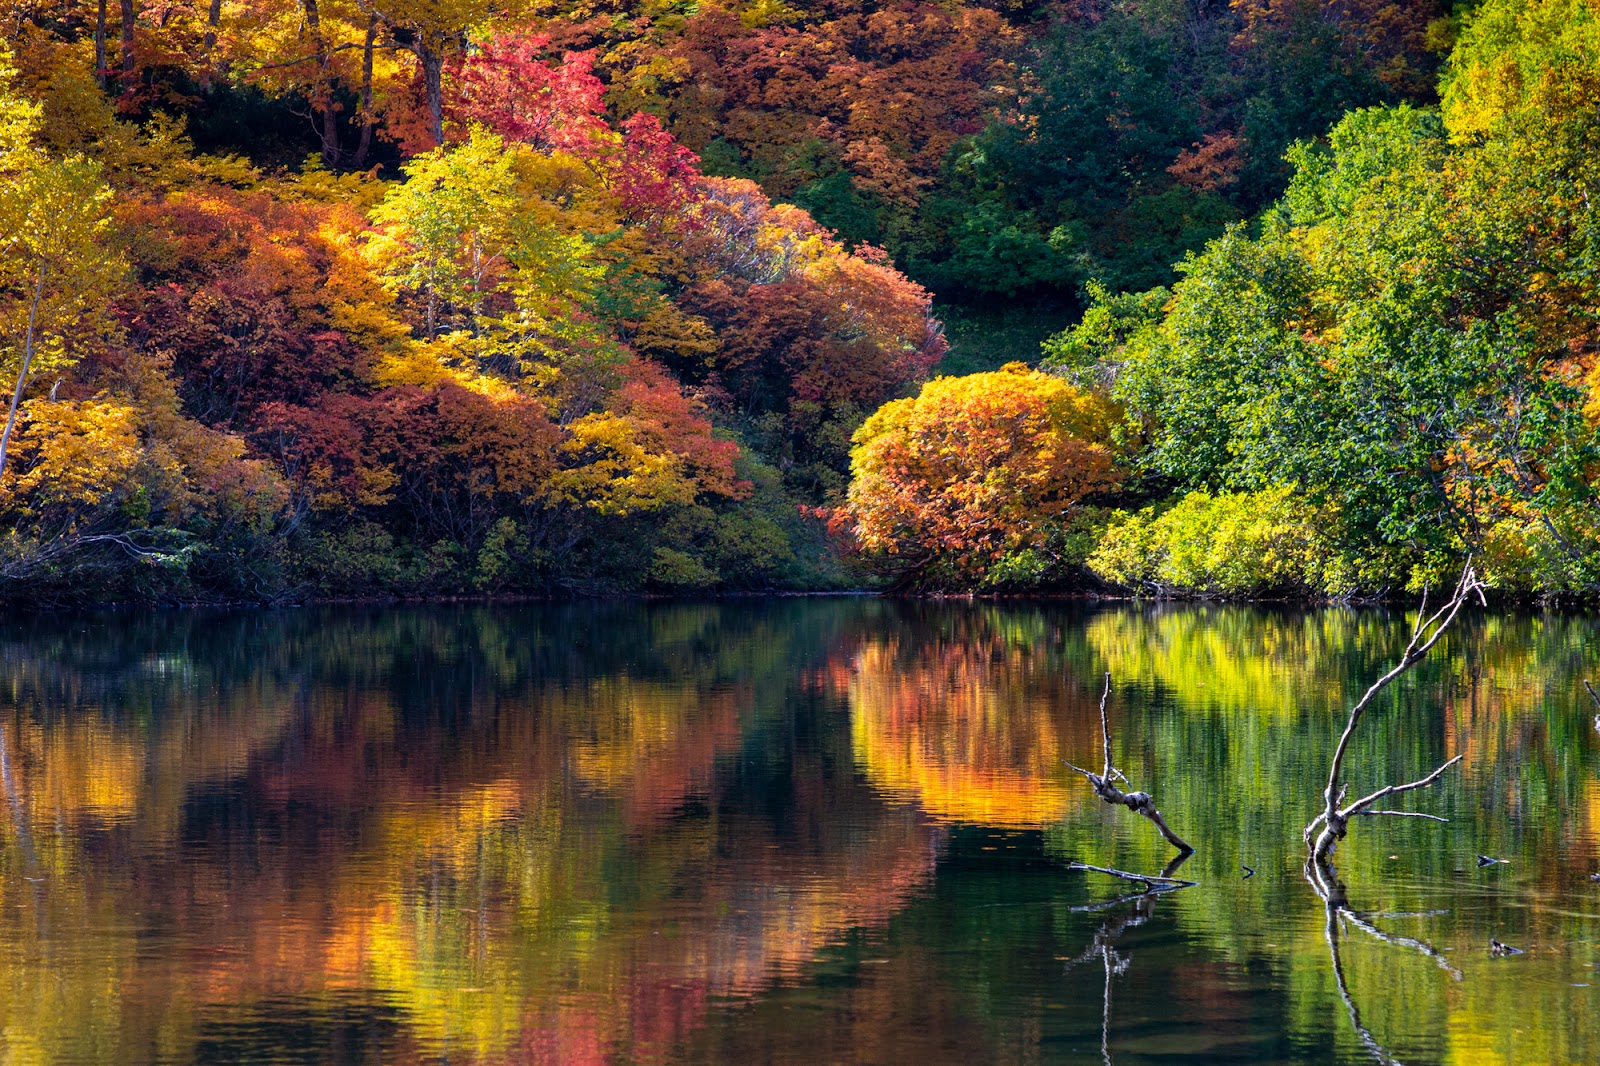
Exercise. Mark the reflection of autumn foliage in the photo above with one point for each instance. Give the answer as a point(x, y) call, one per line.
point(970, 733)
point(521, 874)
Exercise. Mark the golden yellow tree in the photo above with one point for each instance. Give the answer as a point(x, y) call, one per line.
point(57, 271)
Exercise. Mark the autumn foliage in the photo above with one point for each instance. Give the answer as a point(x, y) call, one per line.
point(542, 345)
point(972, 469)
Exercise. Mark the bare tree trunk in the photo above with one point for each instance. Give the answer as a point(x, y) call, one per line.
point(365, 144)
point(322, 92)
point(27, 364)
point(100, 45)
point(127, 43)
point(433, 86)
point(213, 23)
point(1137, 802)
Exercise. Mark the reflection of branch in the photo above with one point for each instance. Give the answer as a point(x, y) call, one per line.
point(1137, 802)
point(1423, 946)
point(1325, 880)
point(1114, 962)
point(1333, 821)
point(1596, 699)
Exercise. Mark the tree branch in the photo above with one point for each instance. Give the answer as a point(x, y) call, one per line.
point(1137, 802)
point(1331, 824)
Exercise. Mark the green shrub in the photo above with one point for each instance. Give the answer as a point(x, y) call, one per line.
point(1234, 543)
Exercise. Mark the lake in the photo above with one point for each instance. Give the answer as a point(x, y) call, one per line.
point(790, 831)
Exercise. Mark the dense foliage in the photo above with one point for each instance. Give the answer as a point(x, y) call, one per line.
point(320, 298)
point(548, 354)
point(1393, 367)
point(963, 482)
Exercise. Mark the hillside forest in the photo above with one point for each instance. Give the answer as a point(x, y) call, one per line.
point(339, 298)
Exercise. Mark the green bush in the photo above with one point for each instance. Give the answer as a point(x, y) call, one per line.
point(1234, 543)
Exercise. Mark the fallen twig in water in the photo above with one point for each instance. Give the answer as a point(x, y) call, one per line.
point(1100, 947)
point(1153, 880)
point(1137, 802)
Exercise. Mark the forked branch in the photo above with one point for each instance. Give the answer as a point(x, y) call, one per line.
point(1331, 825)
point(1137, 802)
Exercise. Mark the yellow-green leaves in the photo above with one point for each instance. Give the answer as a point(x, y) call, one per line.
point(57, 273)
point(443, 231)
point(1520, 54)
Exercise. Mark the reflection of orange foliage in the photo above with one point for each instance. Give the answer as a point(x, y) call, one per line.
point(961, 733)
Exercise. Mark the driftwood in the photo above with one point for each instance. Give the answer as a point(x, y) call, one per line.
point(1330, 826)
point(1340, 915)
point(1152, 882)
point(1137, 802)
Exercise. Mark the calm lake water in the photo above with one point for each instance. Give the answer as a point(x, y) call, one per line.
point(791, 831)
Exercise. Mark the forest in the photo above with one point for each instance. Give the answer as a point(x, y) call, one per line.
point(332, 299)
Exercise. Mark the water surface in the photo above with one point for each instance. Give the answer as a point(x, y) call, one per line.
point(794, 831)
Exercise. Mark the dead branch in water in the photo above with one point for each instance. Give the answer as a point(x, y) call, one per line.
point(1137, 802)
point(1333, 821)
point(1152, 882)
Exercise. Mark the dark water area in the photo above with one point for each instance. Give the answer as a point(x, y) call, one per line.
point(795, 831)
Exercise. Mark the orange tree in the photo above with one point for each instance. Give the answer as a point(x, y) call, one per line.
point(970, 482)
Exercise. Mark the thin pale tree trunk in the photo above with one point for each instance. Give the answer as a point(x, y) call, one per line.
point(22, 373)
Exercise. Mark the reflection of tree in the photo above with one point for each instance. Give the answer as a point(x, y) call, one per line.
point(970, 730)
point(1321, 875)
point(533, 855)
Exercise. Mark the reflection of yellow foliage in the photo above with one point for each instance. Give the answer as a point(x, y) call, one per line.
point(960, 736)
point(1226, 659)
point(629, 724)
point(452, 832)
point(82, 768)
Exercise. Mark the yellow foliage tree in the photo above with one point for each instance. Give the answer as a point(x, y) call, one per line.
point(56, 270)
